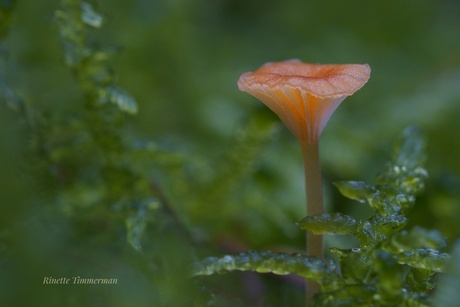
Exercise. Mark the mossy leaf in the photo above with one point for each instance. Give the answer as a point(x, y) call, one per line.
point(334, 223)
point(417, 237)
point(137, 220)
point(277, 263)
point(425, 258)
point(448, 290)
point(89, 16)
point(122, 99)
point(405, 170)
point(356, 190)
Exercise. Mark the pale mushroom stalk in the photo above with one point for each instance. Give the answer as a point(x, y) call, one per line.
point(304, 96)
point(314, 190)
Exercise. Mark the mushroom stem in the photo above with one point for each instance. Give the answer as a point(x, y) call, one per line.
point(313, 188)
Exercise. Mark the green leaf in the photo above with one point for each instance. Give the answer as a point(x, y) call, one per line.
point(137, 221)
point(122, 99)
point(388, 225)
point(355, 264)
point(334, 223)
point(408, 181)
point(416, 238)
point(425, 258)
point(356, 190)
point(405, 170)
point(390, 279)
point(410, 150)
point(277, 263)
point(384, 201)
point(448, 290)
point(89, 16)
point(349, 295)
point(378, 228)
point(421, 280)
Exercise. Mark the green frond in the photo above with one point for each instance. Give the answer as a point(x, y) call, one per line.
point(89, 62)
point(277, 263)
point(84, 195)
point(137, 220)
point(415, 238)
point(326, 223)
point(425, 258)
point(406, 170)
point(356, 190)
point(448, 292)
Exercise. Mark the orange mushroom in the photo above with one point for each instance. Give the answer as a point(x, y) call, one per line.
point(304, 96)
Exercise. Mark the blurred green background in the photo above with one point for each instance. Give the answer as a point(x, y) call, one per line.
point(181, 60)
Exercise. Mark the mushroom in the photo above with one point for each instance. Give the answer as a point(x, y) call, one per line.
point(304, 96)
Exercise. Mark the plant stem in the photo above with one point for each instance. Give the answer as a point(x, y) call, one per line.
point(313, 188)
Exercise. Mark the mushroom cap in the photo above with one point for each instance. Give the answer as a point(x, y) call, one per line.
point(322, 81)
point(304, 95)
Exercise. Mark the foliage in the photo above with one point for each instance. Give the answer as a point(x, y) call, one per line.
point(391, 267)
point(277, 263)
point(448, 293)
point(99, 184)
point(100, 181)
